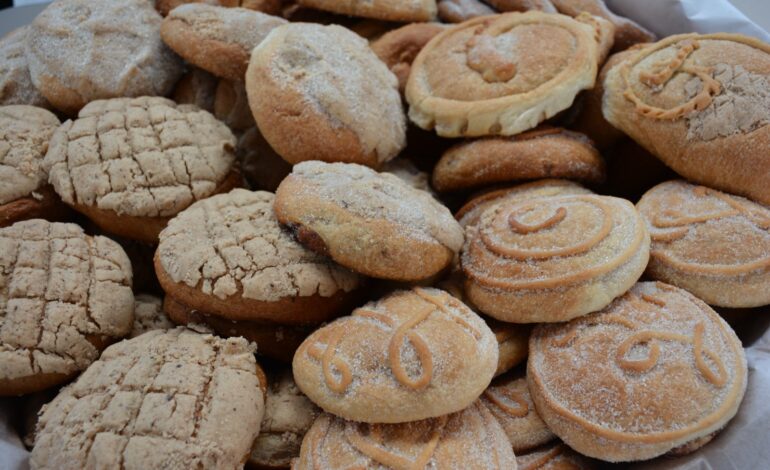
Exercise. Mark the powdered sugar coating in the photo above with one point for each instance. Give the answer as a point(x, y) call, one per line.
point(468, 439)
point(79, 51)
point(143, 156)
point(148, 315)
point(15, 83)
point(393, 10)
point(174, 399)
point(60, 290)
point(24, 135)
point(231, 244)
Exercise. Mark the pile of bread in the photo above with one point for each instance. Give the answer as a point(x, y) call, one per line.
point(257, 193)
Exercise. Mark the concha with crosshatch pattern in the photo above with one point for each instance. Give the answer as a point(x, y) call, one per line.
point(655, 370)
point(412, 355)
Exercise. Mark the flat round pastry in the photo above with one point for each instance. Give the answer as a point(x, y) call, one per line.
point(197, 87)
point(399, 47)
point(149, 315)
point(392, 10)
point(654, 370)
point(231, 106)
point(457, 11)
point(508, 399)
point(373, 223)
point(16, 85)
point(554, 456)
point(508, 73)
point(288, 416)
point(627, 32)
point(537, 154)
point(471, 438)
point(24, 135)
point(522, 5)
point(226, 255)
point(320, 93)
point(513, 344)
point(551, 259)
point(79, 51)
point(271, 7)
point(699, 103)
point(65, 297)
point(710, 243)
point(130, 164)
point(217, 39)
point(470, 213)
point(412, 355)
point(166, 399)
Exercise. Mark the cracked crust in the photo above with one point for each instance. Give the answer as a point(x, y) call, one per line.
point(320, 93)
point(541, 153)
point(551, 259)
point(16, 85)
point(700, 104)
point(656, 369)
point(412, 355)
point(215, 38)
point(713, 244)
point(227, 256)
point(166, 399)
point(79, 51)
point(391, 10)
point(373, 223)
point(509, 73)
point(64, 296)
point(471, 438)
point(145, 158)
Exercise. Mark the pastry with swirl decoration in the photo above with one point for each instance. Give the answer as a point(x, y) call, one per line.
point(713, 244)
point(656, 370)
point(700, 103)
point(508, 72)
point(471, 438)
point(412, 355)
point(552, 259)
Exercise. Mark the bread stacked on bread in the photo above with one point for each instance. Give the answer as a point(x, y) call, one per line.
point(226, 182)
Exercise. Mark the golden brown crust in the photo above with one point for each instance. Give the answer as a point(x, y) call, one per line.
point(513, 344)
point(457, 11)
point(503, 81)
point(659, 368)
point(697, 103)
point(627, 32)
point(44, 203)
point(523, 5)
point(271, 7)
point(545, 153)
point(391, 10)
point(554, 456)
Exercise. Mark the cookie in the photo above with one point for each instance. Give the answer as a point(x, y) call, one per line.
point(509, 72)
point(392, 10)
point(627, 32)
point(16, 85)
point(261, 165)
point(653, 371)
point(130, 164)
point(554, 456)
point(355, 112)
point(166, 399)
point(508, 399)
point(542, 153)
point(277, 342)
point(714, 245)
point(65, 297)
point(217, 39)
point(373, 223)
point(288, 416)
point(231, 106)
point(398, 48)
point(197, 87)
point(271, 7)
point(80, 51)
point(700, 104)
point(551, 259)
point(24, 135)
point(522, 5)
point(471, 438)
point(148, 315)
point(412, 355)
point(512, 342)
point(457, 11)
point(227, 256)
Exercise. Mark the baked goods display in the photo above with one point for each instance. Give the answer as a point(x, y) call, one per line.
point(194, 190)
